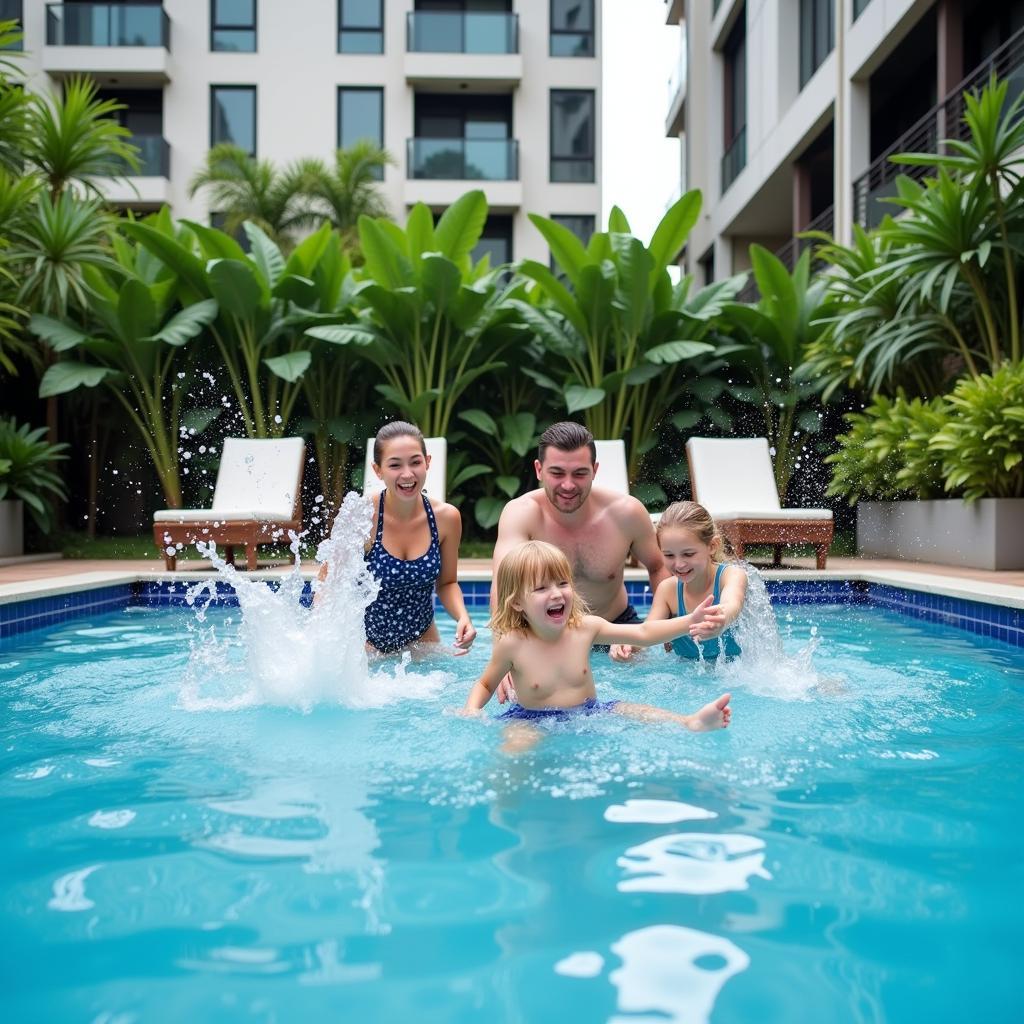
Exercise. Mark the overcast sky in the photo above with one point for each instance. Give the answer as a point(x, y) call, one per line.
point(640, 165)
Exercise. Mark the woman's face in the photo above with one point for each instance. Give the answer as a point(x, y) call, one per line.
point(403, 467)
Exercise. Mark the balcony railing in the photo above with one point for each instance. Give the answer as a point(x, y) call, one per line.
point(734, 159)
point(943, 121)
point(462, 32)
point(107, 25)
point(791, 251)
point(154, 157)
point(464, 159)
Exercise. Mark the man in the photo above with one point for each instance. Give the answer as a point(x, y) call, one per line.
point(595, 528)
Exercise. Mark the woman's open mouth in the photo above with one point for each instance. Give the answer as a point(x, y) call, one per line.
point(407, 489)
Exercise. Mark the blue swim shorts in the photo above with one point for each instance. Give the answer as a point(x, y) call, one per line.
point(593, 706)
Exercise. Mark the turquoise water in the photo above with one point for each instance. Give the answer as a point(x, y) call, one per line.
point(848, 851)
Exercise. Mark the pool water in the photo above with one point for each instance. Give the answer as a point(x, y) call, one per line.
point(849, 850)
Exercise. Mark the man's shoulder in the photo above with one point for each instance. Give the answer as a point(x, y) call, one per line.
point(620, 505)
point(524, 508)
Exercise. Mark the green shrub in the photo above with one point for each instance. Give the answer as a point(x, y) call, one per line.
point(886, 454)
point(26, 470)
point(982, 441)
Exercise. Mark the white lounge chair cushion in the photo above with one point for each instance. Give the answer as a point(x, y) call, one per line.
point(611, 466)
point(435, 487)
point(778, 514)
point(733, 479)
point(258, 479)
point(209, 515)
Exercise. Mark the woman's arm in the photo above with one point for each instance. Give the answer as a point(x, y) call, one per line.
point(449, 592)
point(648, 633)
point(499, 665)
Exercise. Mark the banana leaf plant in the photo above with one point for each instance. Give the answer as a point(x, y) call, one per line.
point(131, 340)
point(428, 320)
point(264, 305)
point(617, 333)
point(773, 339)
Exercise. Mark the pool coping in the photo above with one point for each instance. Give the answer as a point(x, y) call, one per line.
point(961, 588)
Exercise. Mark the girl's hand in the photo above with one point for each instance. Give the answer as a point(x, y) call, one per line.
point(623, 652)
point(701, 612)
point(465, 634)
point(705, 631)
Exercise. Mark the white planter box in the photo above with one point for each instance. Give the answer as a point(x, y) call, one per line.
point(12, 535)
point(987, 534)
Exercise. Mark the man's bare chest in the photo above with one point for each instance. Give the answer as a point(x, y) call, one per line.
point(597, 555)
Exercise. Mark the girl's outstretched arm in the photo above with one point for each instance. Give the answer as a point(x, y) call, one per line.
point(499, 665)
point(648, 633)
point(730, 604)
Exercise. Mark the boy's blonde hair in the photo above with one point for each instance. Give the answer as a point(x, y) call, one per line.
point(696, 518)
point(528, 565)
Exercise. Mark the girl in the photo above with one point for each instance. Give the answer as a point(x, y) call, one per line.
point(692, 549)
point(543, 637)
point(414, 549)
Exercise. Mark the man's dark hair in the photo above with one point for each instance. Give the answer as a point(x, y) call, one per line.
point(567, 437)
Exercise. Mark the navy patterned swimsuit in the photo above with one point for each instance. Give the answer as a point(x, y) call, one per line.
point(404, 608)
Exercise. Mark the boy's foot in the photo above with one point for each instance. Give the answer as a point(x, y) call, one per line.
point(715, 715)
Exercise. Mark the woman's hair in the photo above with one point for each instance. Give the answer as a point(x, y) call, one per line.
point(526, 566)
point(697, 519)
point(396, 428)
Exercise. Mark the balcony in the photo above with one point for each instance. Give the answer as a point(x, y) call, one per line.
point(675, 122)
point(438, 170)
point(147, 187)
point(129, 41)
point(943, 121)
point(452, 48)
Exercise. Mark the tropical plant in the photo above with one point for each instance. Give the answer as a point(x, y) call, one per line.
point(27, 470)
point(349, 189)
point(982, 441)
point(429, 321)
point(242, 188)
point(774, 337)
point(885, 454)
point(614, 328)
point(130, 340)
point(264, 304)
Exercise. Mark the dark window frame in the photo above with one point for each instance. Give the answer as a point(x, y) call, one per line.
point(560, 218)
point(379, 89)
point(368, 31)
point(553, 32)
point(19, 46)
point(215, 87)
point(810, 57)
point(215, 27)
point(592, 156)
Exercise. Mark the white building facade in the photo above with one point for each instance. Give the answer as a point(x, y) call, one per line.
point(790, 109)
point(502, 95)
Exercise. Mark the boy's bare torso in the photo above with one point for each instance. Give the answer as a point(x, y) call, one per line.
point(552, 674)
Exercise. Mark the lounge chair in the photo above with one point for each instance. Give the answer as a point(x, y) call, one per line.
point(612, 472)
point(437, 474)
point(733, 480)
point(257, 500)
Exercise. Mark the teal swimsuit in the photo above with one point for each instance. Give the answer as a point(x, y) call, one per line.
point(686, 647)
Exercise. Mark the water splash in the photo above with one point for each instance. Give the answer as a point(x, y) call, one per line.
point(764, 667)
point(284, 652)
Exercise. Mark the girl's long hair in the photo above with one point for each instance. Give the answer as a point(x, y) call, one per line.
point(529, 565)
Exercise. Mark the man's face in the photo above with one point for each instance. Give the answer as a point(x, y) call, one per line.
point(566, 477)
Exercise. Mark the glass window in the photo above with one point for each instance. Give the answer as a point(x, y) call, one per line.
point(572, 135)
point(233, 25)
point(495, 240)
point(858, 8)
point(360, 26)
point(816, 36)
point(361, 116)
point(572, 28)
point(233, 116)
point(580, 224)
point(11, 10)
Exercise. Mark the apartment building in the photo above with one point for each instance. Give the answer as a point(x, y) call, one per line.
point(789, 109)
point(502, 95)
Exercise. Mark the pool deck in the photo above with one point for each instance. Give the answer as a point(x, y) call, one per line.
point(34, 578)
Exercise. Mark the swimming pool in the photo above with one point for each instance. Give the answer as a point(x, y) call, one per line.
point(847, 851)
